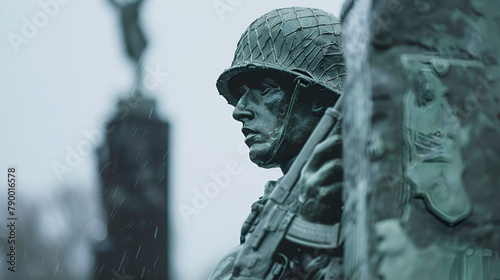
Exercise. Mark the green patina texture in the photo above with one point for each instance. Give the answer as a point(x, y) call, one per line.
point(431, 210)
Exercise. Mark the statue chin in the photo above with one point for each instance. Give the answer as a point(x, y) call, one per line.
point(263, 164)
point(261, 155)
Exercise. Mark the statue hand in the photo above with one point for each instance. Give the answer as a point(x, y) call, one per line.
point(321, 183)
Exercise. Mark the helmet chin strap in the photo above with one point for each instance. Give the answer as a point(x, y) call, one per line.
point(299, 83)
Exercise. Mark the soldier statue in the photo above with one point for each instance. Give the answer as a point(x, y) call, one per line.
point(287, 73)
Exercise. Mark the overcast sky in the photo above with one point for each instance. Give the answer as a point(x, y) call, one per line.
point(66, 76)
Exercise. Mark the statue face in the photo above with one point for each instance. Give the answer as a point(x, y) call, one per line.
point(262, 110)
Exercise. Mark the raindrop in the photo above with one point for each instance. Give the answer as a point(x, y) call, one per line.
point(57, 268)
point(138, 253)
point(143, 270)
point(105, 191)
point(100, 269)
point(116, 161)
point(150, 113)
point(120, 267)
point(136, 182)
point(115, 192)
point(107, 164)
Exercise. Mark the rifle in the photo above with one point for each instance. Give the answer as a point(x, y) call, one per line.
point(276, 222)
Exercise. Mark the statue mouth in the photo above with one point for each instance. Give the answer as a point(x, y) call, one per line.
point(247, 131)
point(251, 136)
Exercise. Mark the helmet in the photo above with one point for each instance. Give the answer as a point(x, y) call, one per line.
point(293, 42)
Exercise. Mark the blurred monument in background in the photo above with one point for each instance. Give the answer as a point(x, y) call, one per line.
point(133, 164)
point(421, 140)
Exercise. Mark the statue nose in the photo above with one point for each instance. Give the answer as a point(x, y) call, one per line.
point(242, 109)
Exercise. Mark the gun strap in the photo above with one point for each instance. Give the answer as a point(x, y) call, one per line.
point(299, 83)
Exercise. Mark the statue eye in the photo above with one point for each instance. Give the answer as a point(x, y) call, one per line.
point(264, 89)
point(243, 89)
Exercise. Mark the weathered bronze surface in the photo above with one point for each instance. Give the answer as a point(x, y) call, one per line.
point(420, 126)
point(288, 69)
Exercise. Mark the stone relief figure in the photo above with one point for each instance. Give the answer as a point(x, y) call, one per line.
point(287, 73)
point(423, 78)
